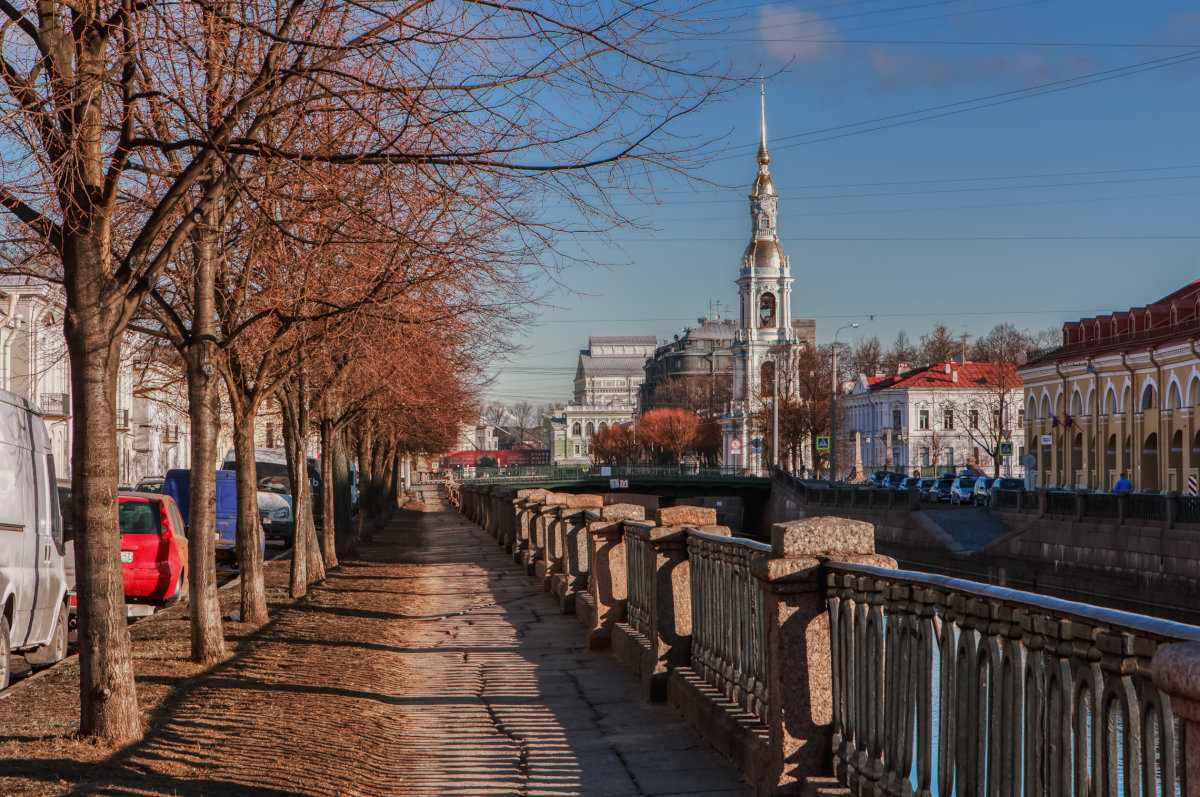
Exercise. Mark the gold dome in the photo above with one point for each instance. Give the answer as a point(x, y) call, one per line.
point(764, 254)
point(763, 185)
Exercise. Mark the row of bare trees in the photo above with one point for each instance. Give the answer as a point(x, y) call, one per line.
point(331, 205)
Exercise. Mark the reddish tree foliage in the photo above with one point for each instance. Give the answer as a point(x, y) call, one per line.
point(615, 445)
point(668, 434)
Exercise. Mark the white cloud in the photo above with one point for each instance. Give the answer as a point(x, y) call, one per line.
point(787, 34)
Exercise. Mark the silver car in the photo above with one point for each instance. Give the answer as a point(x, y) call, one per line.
point(962, 489)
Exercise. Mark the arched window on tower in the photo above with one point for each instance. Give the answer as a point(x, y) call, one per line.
point(766, 385)
point(764, 222)
point(766, 311)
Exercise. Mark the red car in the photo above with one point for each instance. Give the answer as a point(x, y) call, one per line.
point(154, 550)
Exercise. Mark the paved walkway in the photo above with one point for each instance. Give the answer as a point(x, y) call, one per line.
point(431, 666)
point(503, 698)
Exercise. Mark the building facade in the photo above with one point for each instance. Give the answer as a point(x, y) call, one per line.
point(693, 371)
point(926, 421)
point(765, 328)
point(1120, 395)
point(610, 370)
point(567, 432)
point(152, 421)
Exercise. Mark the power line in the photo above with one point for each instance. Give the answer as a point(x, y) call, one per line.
point(918, 238)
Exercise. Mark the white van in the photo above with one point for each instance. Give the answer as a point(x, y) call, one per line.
point(33, 586)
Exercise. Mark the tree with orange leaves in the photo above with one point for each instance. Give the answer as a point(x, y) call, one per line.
point(668, 434)
point(615, 445)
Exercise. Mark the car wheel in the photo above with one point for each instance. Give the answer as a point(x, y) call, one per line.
point(55, 650)
point(5, 654)
point(181, 588)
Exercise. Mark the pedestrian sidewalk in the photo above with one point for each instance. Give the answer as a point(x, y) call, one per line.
point(430, 666)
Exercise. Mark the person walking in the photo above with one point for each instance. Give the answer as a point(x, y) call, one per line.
point(1122, 484)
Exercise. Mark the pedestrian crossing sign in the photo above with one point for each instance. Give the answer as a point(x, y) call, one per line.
point(823, 443)
point(1006, 449)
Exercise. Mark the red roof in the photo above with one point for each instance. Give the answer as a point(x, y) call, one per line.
point(971, 376)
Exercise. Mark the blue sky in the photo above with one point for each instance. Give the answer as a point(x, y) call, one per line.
point(1034, 210)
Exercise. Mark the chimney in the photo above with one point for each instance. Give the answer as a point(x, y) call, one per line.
point(947, 366)
point(954, 376)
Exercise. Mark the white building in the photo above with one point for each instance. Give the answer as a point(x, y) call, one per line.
point(610, 370)
point(932, 420)
point(152, 423)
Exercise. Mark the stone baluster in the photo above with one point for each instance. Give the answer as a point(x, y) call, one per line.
point(666, 645)
point(604, 603)
point(799, 680)
point(1176, 670)
point(563, 560)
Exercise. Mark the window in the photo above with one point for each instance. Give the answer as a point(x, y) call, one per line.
point(923, 420)
point(767, 378)
point(577, 449)
point(924, 456)
point(764, 222)
point(603, 426)
point(766, 310)
point(895, 419)
point(576, 430)
point(996, 415)
point(1020, 417)
point(948, 419)
point(974, 418)
point(948, 457)
point(591, 429)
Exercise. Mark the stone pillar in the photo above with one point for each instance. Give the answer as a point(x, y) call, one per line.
point(799, 665)
point(604, 605)
point(1176, 670)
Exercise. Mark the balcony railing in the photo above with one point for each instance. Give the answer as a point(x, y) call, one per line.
point(944, 686)
point(56, 404)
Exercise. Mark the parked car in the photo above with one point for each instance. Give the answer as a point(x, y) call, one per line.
point(878, 478)
point(33, 582)
point(911, 484)
point(1006, 484)
point(150, 484)
point(894, 480)
point(154, 550)
point(177, 485)
point(961, 489)
point(983, 491)
point(941, 490)
point(928, 489)
point(275, 509)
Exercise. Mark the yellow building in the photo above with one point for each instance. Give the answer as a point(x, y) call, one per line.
point(1119, 396)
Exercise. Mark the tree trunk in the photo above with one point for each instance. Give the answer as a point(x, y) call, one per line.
point(342, 508)
point(208, 638)
point(328, 523)
point(304, 540)
point(249, 527)
point(108, 700)
point(366, 493)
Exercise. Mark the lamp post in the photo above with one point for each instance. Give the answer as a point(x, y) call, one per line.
point(833, 407)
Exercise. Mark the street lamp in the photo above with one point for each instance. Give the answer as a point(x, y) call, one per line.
point(833, 407)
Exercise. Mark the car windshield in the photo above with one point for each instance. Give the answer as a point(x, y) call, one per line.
point(138, 517)
point(967, 482)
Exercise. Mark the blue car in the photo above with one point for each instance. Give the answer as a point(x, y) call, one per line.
point(178, 483)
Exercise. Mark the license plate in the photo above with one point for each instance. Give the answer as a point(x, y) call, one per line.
point(126, 557)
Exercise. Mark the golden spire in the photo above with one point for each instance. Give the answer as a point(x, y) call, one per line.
point(763, 157)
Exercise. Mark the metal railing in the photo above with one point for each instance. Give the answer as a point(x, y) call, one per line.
point(55, 403)
point(942, 686)
point(1100, 505)
point(534, 473)
point(639, 574)
point(1061, 502)
point(729, 645)
point(1142, 506)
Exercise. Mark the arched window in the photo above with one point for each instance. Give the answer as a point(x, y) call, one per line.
point(603, 426)
point(1033, 413)
point(1173, 399)
point(1194, 392)
point(576, 429)
point(767, 378)
point(1149, 399)
point(591, 429)
point(766, 311)
point(764, 222)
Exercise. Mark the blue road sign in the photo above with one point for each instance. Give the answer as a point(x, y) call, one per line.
point(823, 443)
point(1006, 449)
